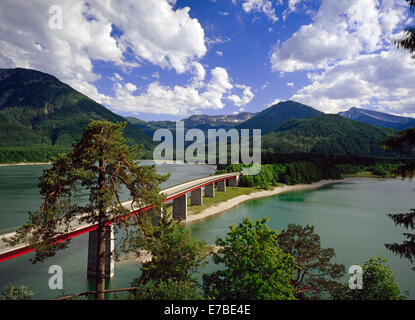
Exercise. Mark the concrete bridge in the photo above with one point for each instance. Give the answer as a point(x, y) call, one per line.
point(177, 194)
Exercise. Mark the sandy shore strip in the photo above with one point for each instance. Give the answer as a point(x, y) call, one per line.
point(23, 164)
point(223, 206)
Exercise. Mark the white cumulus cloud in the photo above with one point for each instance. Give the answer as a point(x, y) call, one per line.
point(181, 100)
point(349, 57)
point(264, 6)
point(124, 33)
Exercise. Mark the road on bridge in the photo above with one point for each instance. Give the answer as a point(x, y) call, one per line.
point(77, 228)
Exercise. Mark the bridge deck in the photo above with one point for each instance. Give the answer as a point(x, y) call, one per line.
point(77, 229)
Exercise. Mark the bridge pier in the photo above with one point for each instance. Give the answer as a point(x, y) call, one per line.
point(155, 215)
point(179, 210)
point(210, 190)
point(221, 185)
point(196, 198)
point(92, 253)
point(180, 207)
point(233, 182)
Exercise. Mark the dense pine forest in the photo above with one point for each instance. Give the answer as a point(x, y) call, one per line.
point(303, 168)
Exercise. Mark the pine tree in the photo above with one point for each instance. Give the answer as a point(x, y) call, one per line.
point(315, 274)
point(408, 42)
point(176, 255)
point(407, 248)
point(101, 163)
point(405, 140)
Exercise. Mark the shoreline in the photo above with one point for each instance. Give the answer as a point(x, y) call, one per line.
point(229, 204)
point(23, 164)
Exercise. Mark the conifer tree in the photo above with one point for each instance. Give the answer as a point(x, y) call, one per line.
point(405, 141)
point(101, 164)
point(315, 274)
point(408, 42)
point(405, 249)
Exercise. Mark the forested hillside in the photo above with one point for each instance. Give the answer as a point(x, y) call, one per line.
point(327, 134)
point(41, 115)
point(275, 116)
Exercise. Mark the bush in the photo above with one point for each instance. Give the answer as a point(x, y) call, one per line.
point(167, 290)
point(255, 267)
point(14, 292)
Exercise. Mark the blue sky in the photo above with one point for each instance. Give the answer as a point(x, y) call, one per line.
point(167, 59)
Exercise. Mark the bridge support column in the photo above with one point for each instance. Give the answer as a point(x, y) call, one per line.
point(180, 208)
point(221, 185)
point(92, 253)
point(196, 197)
point(155, 216)
point(210, 190)
point(233, 182)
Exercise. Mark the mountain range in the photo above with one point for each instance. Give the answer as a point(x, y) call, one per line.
point(202, 122)
point(379, 119)
point(327, 134)
point(273, 117)
point(39, 112)
point(41, 116)
point(291, 127)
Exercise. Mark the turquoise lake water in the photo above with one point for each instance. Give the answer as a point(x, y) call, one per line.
point(349, 216)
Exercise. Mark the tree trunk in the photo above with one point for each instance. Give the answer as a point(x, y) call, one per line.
point(100, 268)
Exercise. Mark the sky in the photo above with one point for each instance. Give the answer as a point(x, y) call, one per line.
point(169, 59)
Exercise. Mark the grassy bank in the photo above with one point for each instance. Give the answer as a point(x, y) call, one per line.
point(231, 192)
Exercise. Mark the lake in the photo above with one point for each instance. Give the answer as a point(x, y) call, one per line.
point(349, 216)
point(19, 194)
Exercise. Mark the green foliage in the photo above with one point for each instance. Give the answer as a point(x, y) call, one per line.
point(273, 117)
point(288, 173)
point(176, 255)
point(327, 134)
point(14, 292)
point(407, 248)
point(102, 152)
point(378, 170)
point(307, 168)
point(378, 284)
point(254, 266)
point(39, 112)
point(315, 276)
point(403, 141)
point(347, 168)
point(167, 290)
point(101, 163)
point(408, 42)
point(33, 153)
